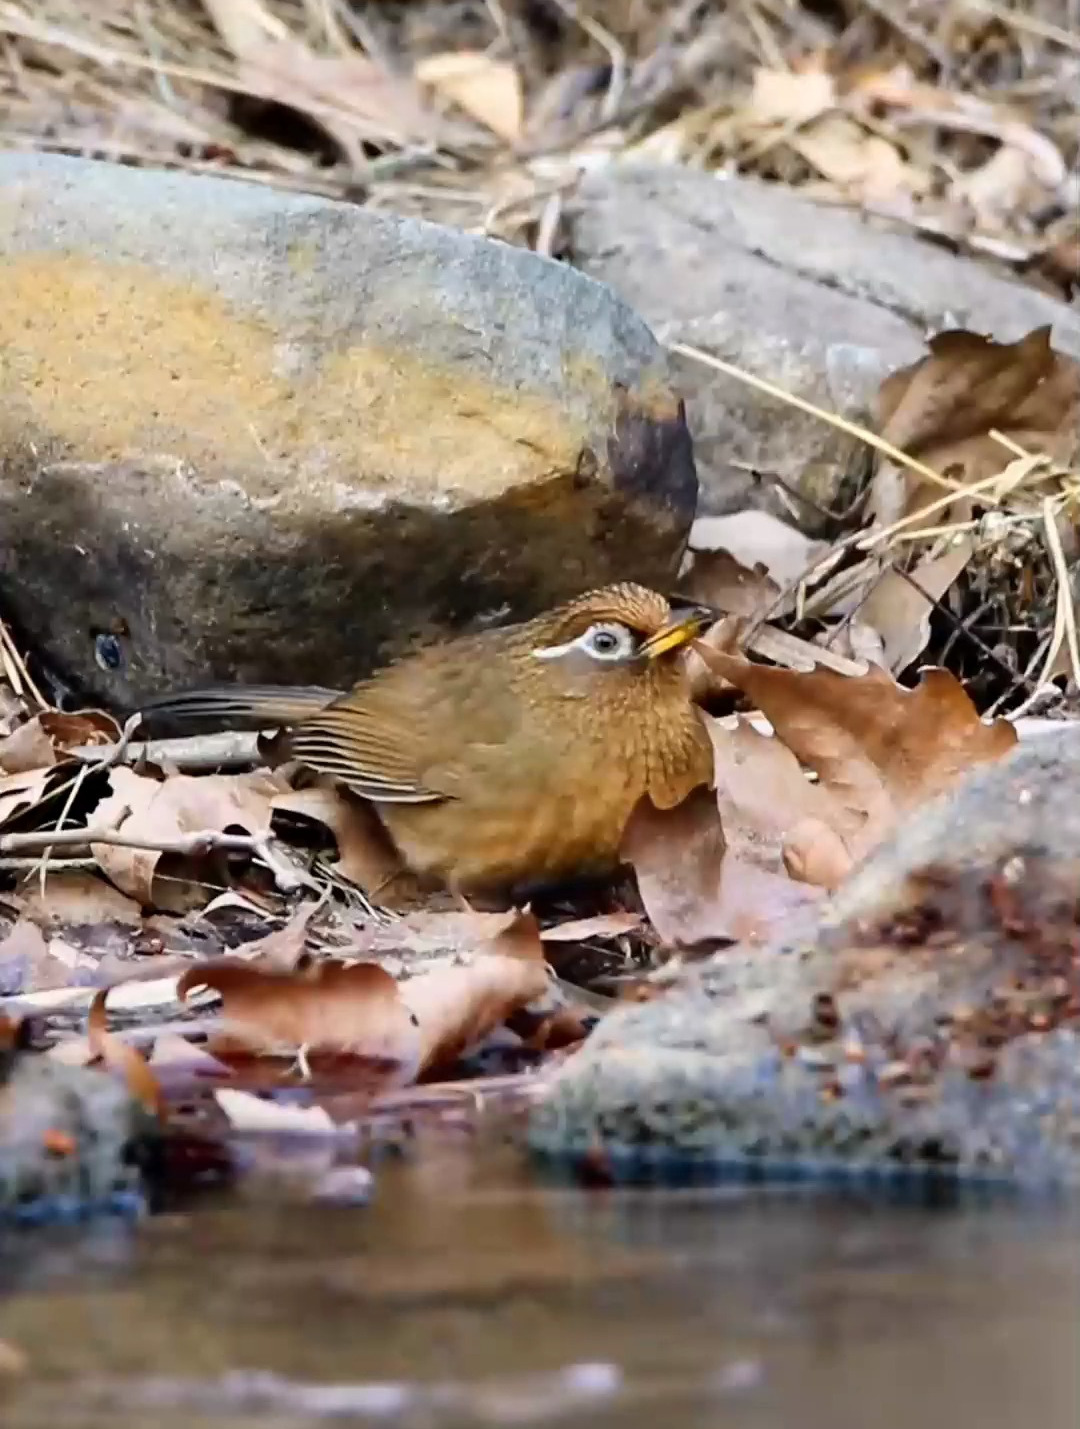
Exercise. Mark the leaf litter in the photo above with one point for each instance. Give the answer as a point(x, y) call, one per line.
point(227, 943)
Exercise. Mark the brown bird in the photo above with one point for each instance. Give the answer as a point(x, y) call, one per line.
point(508, 759)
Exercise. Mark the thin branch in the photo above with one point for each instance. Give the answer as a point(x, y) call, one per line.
point(192, 845)
point(852, 429)
point(201, 751)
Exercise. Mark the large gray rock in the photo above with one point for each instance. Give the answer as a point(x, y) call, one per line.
point(816, 299)
point(929, 1027)
point(250, 436)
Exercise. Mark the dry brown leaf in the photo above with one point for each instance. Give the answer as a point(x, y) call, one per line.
point(329, 1005)
point(42, 741)
point(487, 89)
point(857, 161)
point(942, 408)
point(121, 1057)
point(78, 900)
point(780, 96)
point(694, 888)
point(284, 947)
point(718, 580)
point(456, 1007)
point(876, 747)
point(900, 614)
point(358, 1008)
point(348, 95)
point(26, 748)
point(21, 791)
point(762, 792)
point(182, 804)
point(25, 962)
point(601, 925)
point(366, 855)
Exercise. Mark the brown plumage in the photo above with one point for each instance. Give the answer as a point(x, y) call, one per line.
point(509, 758)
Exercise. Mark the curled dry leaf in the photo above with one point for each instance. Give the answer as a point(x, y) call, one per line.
point(120, 1057)
point(486, 89)
point(358, 1008)
point(877, 748)
point(899, 609)
point(19, 792)
point(697, 890)
point(942, 409)
point(181, 805)
point(781, 96)
point(718, 580)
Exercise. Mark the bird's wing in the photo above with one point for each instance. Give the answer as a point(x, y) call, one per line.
point(408, 740)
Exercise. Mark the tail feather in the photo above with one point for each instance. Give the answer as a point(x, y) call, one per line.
point(236, 706)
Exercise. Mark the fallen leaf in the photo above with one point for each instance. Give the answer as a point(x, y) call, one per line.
point(27, 962)
point(26, 748)
point(781, 96)
point(717, 579)
point(351, 97)
point(285, 946)
point(456, 1007)
point(19, 792)
point(762, 792)
point(601, 925)
point(248, 1113)
point(487, 89)
point(900, 614)
point(755, 538)
point(695, 890)
point(877, 748)
point(121, 1057)
point(942, 409)
point(861, 163)
point(181, 805)
point(358, 1008)
point(72, 899)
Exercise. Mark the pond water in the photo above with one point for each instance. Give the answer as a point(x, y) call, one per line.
point(469, 1292)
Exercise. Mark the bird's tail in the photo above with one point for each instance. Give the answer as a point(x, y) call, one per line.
point(235, 707)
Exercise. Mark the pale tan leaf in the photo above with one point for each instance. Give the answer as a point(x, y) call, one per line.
point(900, 614)
point(780, 96)
point(183, 804)
point(487, 89)
point(756, 538)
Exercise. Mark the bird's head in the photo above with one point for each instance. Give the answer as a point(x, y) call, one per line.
point(625, 628)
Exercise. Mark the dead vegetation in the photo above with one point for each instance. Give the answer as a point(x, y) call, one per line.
point(959, 121)
point(137, 879)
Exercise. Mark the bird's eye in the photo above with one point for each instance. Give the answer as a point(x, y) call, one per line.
point(609, 641)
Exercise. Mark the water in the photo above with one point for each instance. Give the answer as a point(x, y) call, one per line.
point(469, 1293)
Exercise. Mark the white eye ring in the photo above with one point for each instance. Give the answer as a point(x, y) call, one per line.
point(606, 641)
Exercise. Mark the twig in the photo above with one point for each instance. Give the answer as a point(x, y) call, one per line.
point(191, 845)
point(615, 53)
point(853, 429)
point(19, 677)
point(1065, 619)
point(201, 751)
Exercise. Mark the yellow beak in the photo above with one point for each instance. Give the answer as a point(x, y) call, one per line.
point(685, 625)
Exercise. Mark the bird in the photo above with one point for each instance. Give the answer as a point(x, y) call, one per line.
point(505, 759)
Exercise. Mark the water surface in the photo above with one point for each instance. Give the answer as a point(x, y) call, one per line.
point(469, 1292)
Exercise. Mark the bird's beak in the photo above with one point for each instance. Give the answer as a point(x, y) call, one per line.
point(685, 625)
